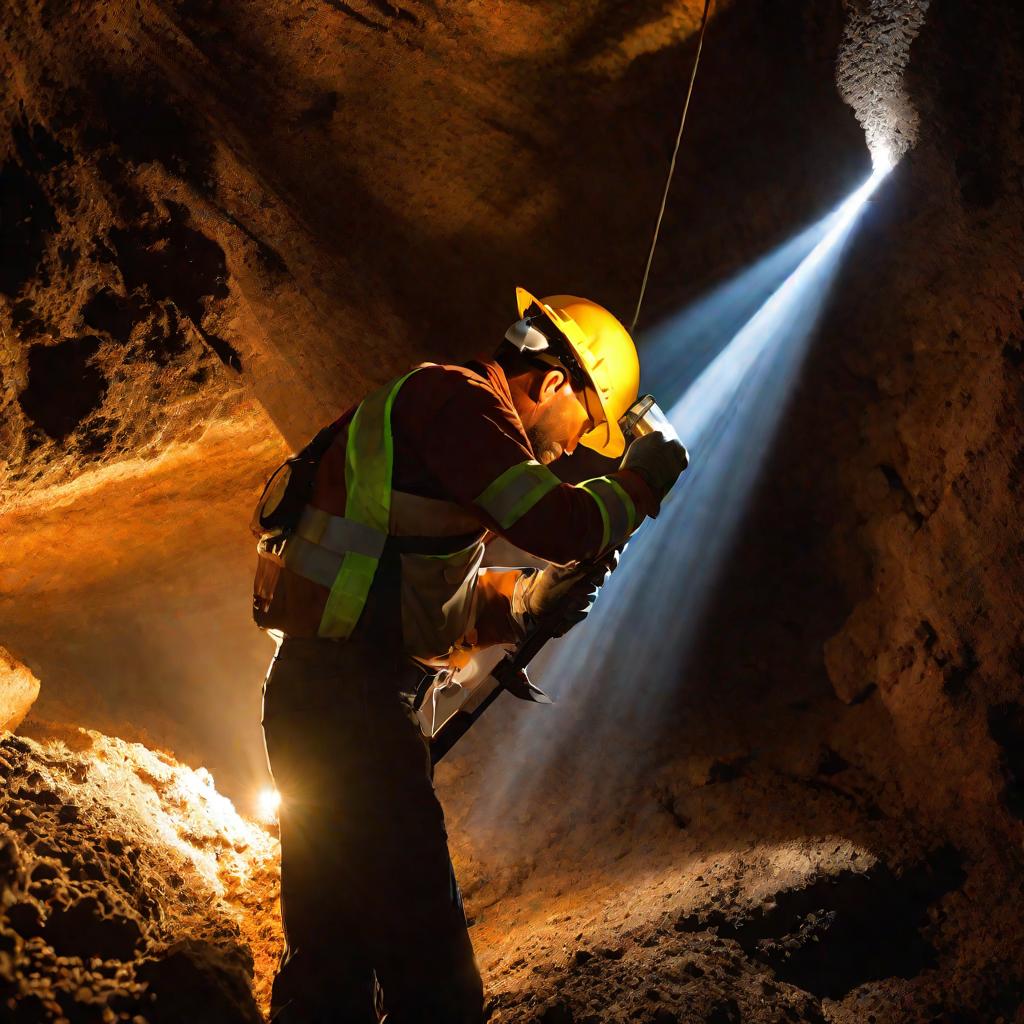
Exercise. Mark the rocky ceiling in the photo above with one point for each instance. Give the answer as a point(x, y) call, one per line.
point(222, 223)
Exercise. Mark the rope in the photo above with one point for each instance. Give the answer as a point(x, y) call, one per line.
point(672, 165)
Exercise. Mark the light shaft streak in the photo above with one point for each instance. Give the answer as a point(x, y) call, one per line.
point(614, 675)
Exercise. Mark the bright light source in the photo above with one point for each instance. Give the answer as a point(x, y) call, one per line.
point(882, 159)
point(267, 804)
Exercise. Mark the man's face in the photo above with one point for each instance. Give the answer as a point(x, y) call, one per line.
point(559, 419)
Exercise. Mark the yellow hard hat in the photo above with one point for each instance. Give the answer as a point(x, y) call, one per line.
point(607, 355)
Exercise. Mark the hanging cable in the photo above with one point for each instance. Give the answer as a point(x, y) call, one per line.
point(672, 165)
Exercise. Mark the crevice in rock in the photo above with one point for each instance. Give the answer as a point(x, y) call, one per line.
point(173, 262)
point(63, 385)
point(667, 802)
point(957, 674)
point(38, 151)
point(355, 15)
point(872, 60)
point(391, 10)
point(843, 930)
point(1006, 727)
point(25, 321)
point(113, 314)
point(144, 124)
point(909, 506)
point(27, 220)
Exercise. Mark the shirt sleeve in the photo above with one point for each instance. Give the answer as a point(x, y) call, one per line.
point(473, 444)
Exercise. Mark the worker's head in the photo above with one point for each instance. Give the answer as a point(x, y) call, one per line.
point(574, 372)
point(552, 410)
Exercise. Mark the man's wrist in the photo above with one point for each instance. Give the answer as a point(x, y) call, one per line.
point(640, 486)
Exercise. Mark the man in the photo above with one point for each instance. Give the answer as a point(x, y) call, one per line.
point(370, 570)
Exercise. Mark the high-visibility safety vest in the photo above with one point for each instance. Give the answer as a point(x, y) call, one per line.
point(328, 563)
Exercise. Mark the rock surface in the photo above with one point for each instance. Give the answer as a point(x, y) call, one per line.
point(214, 212)
point(871, 69)
point(18, 692)
point(129, 888)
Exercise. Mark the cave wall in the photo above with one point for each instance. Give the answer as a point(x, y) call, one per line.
point(934, 352)
point(891, 580)
point(224, 224)
point(891, 499)
point(231, 222)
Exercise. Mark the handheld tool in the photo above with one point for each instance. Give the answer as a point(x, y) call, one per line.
point(449, 709)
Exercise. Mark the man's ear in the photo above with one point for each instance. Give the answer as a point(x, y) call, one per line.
point(550, 384)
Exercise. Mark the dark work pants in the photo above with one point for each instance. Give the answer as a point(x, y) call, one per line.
point(367, 887)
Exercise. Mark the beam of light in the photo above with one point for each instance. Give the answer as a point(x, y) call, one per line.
point(614, 675)
point(677, 350)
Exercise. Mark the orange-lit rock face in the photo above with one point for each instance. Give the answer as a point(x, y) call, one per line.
point(18, 692)
point(130, 886)
point(127, 589)
point(170, 245)
point(225, 225)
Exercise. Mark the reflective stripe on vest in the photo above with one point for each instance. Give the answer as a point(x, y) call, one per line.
point(311, 561)
point(340, 534)
point(318, 547)
point(369, 455)
point(516, 491)
point(618, 513)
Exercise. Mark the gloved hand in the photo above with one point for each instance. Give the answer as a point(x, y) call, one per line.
point(559, 597)
point(659, 460)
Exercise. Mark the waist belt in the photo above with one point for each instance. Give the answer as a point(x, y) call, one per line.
point(318, 547)
point(355, 656)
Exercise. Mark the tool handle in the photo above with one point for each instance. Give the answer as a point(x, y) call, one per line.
point(510, 674)
point(528, 648)
point(459, 724)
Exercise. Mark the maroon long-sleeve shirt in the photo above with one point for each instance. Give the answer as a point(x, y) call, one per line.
point(456, 431)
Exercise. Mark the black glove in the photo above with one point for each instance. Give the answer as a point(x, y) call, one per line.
point(559, 597)
point(659, 460)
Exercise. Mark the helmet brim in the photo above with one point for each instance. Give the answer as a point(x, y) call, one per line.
point(606, 439)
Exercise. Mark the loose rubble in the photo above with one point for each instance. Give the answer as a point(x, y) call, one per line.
point(130, 890)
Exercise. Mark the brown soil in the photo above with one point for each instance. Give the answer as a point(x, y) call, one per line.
point(128, 888)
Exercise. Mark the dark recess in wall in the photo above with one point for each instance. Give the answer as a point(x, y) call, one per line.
point(63, 387)
point(27, 220)
point(846, 929)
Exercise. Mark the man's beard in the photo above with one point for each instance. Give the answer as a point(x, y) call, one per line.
point(545, 448)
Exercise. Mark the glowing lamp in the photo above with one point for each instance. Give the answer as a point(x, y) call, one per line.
point(267, 803)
